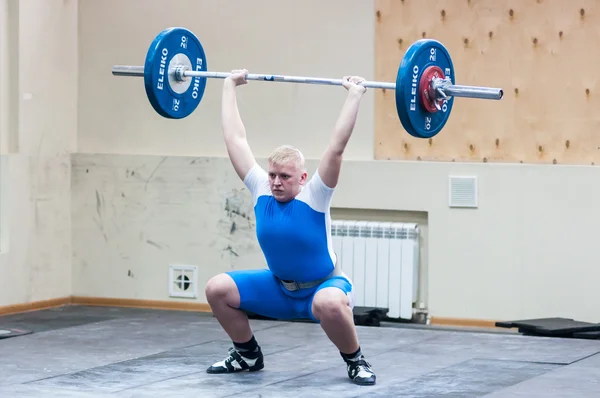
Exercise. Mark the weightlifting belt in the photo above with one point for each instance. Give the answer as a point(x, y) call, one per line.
point(293, 286)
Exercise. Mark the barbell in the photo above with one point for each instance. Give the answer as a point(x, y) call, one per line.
point(175, 73)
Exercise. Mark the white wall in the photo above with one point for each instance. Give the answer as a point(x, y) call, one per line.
point(35, 264)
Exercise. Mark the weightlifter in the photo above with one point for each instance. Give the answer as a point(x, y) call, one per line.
point(303, 279)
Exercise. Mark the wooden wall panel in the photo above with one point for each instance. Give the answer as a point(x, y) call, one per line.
point(543, 53)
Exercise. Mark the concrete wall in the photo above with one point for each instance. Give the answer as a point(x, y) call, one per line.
point(38, 130)
point(149, 192)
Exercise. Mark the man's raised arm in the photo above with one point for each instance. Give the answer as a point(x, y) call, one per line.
point(331, 162)
point(234, 131)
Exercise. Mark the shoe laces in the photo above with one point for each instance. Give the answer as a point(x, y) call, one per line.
point(360, 364)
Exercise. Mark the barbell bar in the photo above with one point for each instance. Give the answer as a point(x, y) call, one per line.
point(175, 73)
point(180, 73)
point(451, 90)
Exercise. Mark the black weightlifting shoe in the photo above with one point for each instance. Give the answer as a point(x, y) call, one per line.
point(360, 372)
point(237, 363)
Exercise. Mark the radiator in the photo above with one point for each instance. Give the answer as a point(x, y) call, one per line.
point(382, 259)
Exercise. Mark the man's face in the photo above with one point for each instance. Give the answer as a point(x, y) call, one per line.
point(286, 180)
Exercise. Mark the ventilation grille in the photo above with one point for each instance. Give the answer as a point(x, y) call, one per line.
point(463, 191)
point(183, 281)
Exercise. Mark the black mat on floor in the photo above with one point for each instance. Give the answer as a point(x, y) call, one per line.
point(587, 335)
point(369, 316)
point(554, 327)
point(8, 333)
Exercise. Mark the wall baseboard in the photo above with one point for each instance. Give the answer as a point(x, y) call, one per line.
point(34, 306)
point(135, 303)
point(480, 323)
point(104, 302)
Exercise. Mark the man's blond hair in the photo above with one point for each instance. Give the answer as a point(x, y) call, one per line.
point(286, 154)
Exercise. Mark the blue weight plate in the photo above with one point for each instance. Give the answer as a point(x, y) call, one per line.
point(171, 99)
point(415, 119)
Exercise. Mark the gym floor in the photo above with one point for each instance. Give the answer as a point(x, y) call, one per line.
point(79, 351)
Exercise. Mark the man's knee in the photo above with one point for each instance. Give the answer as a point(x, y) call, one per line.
point(221, 289)
point(330, 303)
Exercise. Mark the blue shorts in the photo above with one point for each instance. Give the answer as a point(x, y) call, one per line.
point(262, 294)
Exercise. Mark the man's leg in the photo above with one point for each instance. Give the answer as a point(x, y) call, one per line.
point(228, 294)
point(224, 300)
point(332, 308)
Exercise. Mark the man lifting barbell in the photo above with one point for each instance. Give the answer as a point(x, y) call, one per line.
point(291, 211)
point(303, 279)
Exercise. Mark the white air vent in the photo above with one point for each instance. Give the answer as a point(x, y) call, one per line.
point(462, 191)
point(183, 281)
